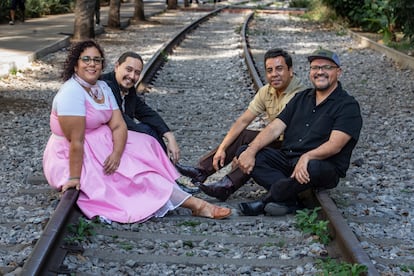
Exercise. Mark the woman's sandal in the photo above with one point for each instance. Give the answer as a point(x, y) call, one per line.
point(218, 212)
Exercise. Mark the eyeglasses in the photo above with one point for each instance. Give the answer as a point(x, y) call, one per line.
point(323, 67)
point(87, 59)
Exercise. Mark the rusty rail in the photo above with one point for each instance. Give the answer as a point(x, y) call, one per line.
point(48, 254)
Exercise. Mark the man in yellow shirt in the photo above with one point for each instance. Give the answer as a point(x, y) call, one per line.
point(270, 101)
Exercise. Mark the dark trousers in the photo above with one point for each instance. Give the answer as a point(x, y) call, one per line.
point(144, 128)
point(273, 170)
point(15, 3)
point(237, 177)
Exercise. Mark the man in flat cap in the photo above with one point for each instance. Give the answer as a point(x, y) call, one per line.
point(321, 127)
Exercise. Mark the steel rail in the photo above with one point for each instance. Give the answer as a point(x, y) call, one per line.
point(345, 238)
point(159, 58)
point(251, 66)
point(39, 262)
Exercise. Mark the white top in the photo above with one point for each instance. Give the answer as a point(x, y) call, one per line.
point(70, 99)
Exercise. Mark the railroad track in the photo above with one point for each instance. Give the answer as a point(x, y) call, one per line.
point(194, 245)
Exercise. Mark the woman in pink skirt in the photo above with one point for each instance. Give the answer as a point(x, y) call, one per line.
point(124, 176)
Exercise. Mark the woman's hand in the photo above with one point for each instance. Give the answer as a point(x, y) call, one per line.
point(172, 147)
point(71, 183)
point(111, 163)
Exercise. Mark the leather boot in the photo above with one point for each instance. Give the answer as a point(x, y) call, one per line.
point(221, 189)
point(197, 175)
point(187, 189)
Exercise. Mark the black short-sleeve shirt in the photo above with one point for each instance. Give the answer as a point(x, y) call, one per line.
point(309, 126)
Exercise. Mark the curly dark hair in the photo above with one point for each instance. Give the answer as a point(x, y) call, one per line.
point(74, 54)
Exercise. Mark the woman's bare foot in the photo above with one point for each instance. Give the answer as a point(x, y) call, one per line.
point(208, 210)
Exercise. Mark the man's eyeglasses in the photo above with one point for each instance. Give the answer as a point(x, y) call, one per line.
point(323, 67)
point(87, 59)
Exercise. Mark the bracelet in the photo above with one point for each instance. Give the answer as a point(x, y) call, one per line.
point(74, 178)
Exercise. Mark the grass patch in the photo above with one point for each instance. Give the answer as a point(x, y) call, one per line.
point(333, 267)
point(189, 223)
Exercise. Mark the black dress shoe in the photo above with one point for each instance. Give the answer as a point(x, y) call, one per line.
point(221, 189)
point(280, 209)
point(196, 174)
point(187, 189)
point(253, 208)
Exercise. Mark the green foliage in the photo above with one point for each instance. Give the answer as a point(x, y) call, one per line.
point(350, 9)
point(307, 221)
point(4, 11)
point(164, 56)
point(404, 9)
point(13, 71)
point(126, 246)
point(380, 17)
point(407, 268)
point(37, 8)
point(300, 4)
point(384, 16)
point(81, 231)
point(189, 223)
point(332, 267)
point(320, 12)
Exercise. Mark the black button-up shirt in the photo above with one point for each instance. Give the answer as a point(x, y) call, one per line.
point(310, 125)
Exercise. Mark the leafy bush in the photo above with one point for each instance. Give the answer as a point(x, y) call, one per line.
point(4, 11)
point(37, 8)
point(385, 16)
point(320, 12)
point(300, 3)
point(350, 9)
point(404, 9)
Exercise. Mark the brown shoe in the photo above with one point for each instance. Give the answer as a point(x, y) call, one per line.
point(221, 189)
point(197, 175)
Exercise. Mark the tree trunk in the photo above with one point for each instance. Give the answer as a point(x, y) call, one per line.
point(172, 4)
point(84, 14)
point(139, 14)
point(114, 20)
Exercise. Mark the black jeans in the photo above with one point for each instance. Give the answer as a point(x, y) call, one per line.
point(273, 168)
point(144, 128)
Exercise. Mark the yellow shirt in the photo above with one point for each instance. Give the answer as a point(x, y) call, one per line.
point(266, 101)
